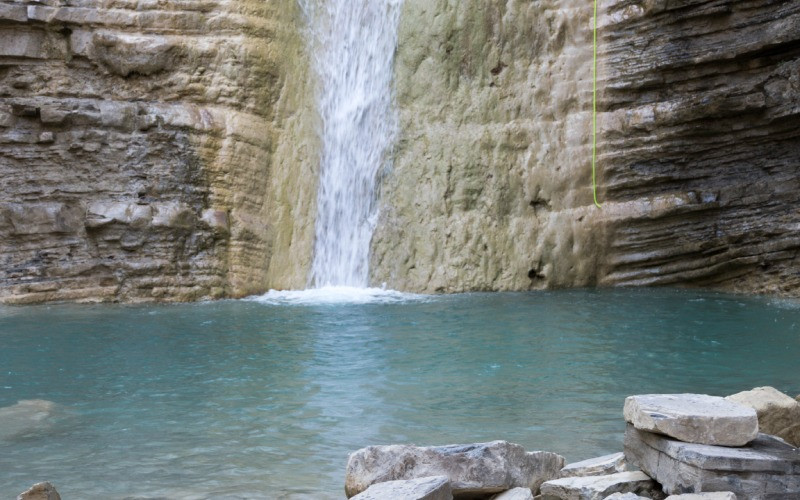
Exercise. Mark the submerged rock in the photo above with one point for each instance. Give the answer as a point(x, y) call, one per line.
point(27, 418)
point(599, 487)
point(767, 468)
point(778, 414)
point(480, 468)
point(40, 491)
point(693, 418)
point(426, 488)
point(600, 466)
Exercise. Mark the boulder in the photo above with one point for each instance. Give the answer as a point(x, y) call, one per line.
point(767, 468)
point(600, 466)
point(426, 488)
point(778, 414)
point(599, 487)
point(716, 495)
point(514, 494)
point(693, 418)
point(481, 468)
point(40, 491)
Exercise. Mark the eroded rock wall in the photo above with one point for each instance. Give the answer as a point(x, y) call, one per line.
point(699, 146)
point(154, 150)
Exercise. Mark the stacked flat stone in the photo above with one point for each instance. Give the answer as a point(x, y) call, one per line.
point(692, 443)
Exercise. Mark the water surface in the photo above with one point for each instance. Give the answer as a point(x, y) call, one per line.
point(248, 399)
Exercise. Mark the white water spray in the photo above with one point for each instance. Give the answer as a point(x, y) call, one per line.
point(352, 46)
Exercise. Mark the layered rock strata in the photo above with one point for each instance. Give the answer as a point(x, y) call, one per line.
point(153, 150)
point(698, 158)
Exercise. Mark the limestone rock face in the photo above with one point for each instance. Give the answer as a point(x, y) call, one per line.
point(767, 468)
point(154, 150)
point(40, 491)
point(778, 414)
point(697, 147)
point(480, 468)
point(599, 487)
point(600, 466)
point(693, 418)
point(426, 488)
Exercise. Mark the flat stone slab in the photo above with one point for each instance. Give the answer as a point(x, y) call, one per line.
point(778, 413)
point(693, 418)
point(426, 488)
point(600, 466)
point(515, 494)
point(599, 487)
point(767, 468)
point(717, 495)
point(480, 468)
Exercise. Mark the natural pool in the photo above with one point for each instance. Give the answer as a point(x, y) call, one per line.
point(243, 399)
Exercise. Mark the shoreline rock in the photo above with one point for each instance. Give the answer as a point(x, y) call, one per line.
point(480, 468)
point(693, 418)
point(778, 414)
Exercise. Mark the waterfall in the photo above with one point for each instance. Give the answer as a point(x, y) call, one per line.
point(352, 43)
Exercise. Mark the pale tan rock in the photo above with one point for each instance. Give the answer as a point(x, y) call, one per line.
point(693, 418)
point(40, 491)
point(778, 414)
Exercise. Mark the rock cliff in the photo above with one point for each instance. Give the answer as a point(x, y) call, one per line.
point(153, 150)
point(699, 146)
point(167, 150)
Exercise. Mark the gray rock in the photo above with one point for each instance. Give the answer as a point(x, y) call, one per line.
point(426, 488)
point(693, 418)
point(717, 495)
point(600, 466)
point(40, 491)
point(599, 487)
point(778, 414)
point(623, 496)
point(767, 468)
point(515, 494)
point(480, 468)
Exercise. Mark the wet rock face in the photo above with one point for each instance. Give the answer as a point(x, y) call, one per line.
point(157, 151)
point(698, 156)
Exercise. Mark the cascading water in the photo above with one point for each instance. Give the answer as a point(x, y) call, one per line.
point(352, 46)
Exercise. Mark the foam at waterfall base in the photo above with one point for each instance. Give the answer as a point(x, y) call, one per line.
point(337, 295)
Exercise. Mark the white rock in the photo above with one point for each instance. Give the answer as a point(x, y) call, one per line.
point(598, 487)
point(778, 414)
point(600, 466)
point(480, 468)
point(515, 494)
point(624, 496)
point(693, 418)
point(716, 495)
point(426, 488)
